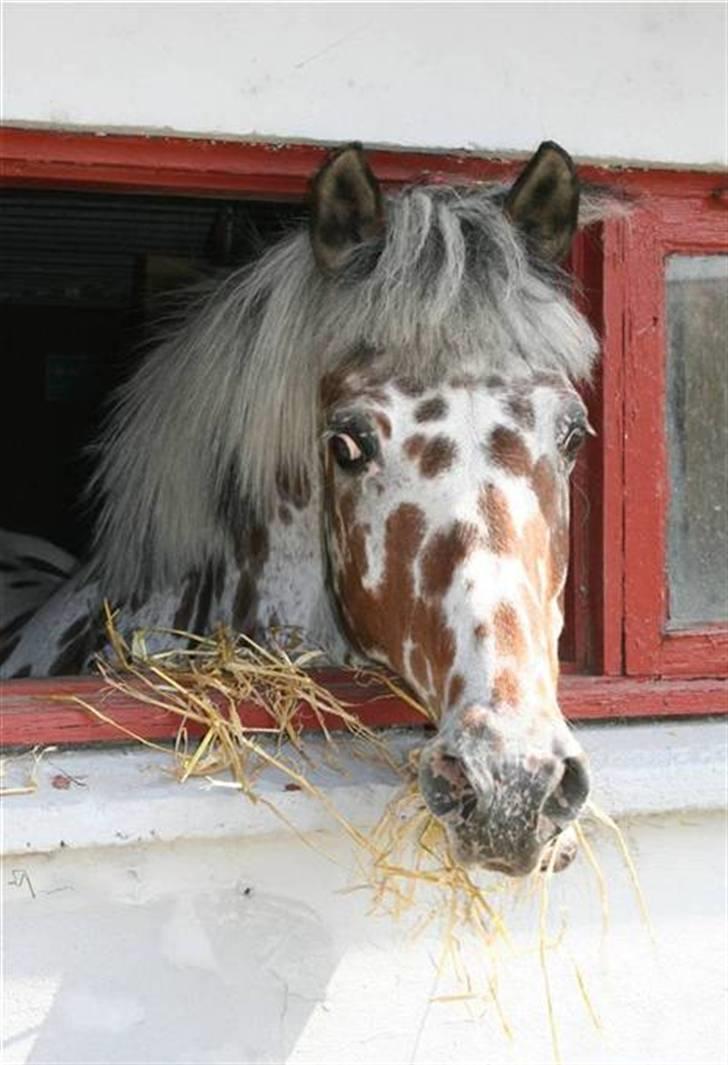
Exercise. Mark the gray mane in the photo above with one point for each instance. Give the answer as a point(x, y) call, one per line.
point(230, 400)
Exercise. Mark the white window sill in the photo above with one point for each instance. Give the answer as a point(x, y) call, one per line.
point(130, 796)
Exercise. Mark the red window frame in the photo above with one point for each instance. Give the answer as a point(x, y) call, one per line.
point(611, 669)
point(690, 226)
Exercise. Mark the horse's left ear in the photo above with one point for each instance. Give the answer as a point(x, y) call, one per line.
point(346, 207)
point(544, 202)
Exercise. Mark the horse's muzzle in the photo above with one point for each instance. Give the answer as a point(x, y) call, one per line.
point(505, 813)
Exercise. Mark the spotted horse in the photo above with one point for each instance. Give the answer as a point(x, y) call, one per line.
point(367, 436)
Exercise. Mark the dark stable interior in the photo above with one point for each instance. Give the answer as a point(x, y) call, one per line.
point(85, 277)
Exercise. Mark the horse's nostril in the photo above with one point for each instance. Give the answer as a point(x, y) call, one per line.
point(446, 786)
point(569, 795)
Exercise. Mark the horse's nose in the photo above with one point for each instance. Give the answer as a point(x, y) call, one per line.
point(502, 807)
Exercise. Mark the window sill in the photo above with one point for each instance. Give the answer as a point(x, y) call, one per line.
point(108, 798)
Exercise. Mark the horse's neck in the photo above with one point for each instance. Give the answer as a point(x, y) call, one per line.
point(280, 585)
point(271, 587)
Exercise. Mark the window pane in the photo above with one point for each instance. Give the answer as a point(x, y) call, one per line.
point(697, 432)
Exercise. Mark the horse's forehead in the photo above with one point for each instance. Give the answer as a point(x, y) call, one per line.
point(453, 397)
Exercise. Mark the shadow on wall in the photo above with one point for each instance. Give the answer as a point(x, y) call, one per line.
point(248, 951)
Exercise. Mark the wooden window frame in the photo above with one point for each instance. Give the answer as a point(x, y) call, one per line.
point(689, 226)
point(603, 676)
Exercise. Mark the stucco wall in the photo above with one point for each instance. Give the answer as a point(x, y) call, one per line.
point(151, 922)
point(609, 81)
point(214, 952)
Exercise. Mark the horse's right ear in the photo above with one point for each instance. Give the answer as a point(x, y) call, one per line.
point(346, 208)
point(544, 202)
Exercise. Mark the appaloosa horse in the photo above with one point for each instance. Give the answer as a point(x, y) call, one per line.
point(367, 436)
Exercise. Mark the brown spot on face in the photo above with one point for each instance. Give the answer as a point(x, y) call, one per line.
point(494, 381)
point(413, 445)
point(431, 410)
point(506, 689)
point(376, 395)
point(536, 620)
point(559, 559)
point(481, 632)
point(533, 548)
point(549, 494)
point(543, 482)
point(355, 376)
point(509, 639)
point(444, 552)
point(455, 689)
point(464, 380)
point(521, 410)
point(496, 513)
point(430, 630)
point(437, 456)
point(384, 424)
point(508, 450)
point(382, 620)
point(409, 387)
point(379, 619)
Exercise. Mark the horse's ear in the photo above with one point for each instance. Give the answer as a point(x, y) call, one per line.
point(544, 202)
point(346, 207)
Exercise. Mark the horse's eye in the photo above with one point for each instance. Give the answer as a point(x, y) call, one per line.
point(574, 438)
point(353, 450)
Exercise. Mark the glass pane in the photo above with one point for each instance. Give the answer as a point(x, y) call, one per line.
point(697, 432)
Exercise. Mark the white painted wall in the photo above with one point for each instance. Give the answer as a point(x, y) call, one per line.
point(609, 81)
point(176, 924)
point(155, 954)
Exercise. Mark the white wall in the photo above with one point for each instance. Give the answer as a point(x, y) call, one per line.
point(156, 954)
point(609, 81)
point(150, 922)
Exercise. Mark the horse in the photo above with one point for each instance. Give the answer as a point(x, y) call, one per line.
point(366, 437)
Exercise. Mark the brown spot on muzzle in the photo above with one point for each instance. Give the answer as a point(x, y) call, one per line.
point(506, 689)
point(509, 638)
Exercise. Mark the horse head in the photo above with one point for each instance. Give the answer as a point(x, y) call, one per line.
point(446, 514)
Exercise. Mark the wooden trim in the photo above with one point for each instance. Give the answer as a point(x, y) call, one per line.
point(207, 167)
point(653, 232)
point(42, 711)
